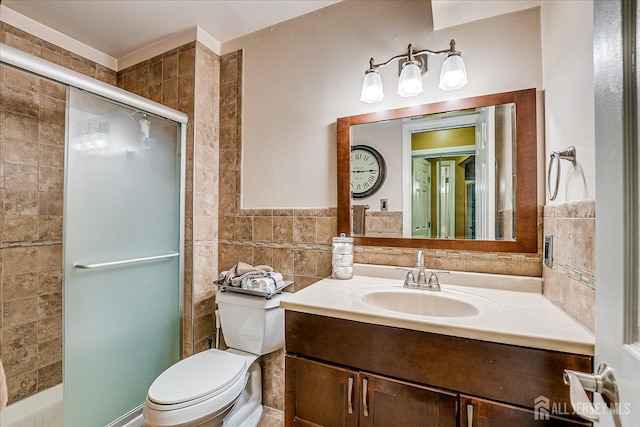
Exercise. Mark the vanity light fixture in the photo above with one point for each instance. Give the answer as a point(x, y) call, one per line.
point(413, 65)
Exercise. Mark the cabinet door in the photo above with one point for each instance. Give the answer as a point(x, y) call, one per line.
point(319, 395)
point(387, 402)
point(476, 412)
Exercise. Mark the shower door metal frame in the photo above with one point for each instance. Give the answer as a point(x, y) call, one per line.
point(18, 59)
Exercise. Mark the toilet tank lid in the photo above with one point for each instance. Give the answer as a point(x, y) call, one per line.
point(207, 373)
point(251, 300)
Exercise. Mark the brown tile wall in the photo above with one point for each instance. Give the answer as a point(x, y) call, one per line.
point(570, 283)
point(32, 128)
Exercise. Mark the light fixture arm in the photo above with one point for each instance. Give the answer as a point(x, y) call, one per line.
point(409, 56)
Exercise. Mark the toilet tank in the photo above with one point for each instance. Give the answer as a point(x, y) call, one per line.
point(252, 323)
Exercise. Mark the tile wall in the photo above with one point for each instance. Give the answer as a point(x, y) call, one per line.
point(32, 122)
point(570, 283)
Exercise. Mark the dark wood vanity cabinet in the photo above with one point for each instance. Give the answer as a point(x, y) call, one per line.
point(318, 394)
point(345, 373)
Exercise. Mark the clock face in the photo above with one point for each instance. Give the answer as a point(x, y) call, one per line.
point(368, 171)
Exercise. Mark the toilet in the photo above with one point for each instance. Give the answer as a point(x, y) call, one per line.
point(221, 388)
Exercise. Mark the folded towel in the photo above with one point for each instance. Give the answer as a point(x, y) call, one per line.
point(267, 282)
point(243, 267)
point(4, 396)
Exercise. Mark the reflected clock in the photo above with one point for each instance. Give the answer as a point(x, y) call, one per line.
point(368, 171)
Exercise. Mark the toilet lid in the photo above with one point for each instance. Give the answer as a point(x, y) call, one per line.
point(207, 373)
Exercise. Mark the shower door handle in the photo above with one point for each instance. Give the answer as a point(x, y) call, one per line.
point(126, 261)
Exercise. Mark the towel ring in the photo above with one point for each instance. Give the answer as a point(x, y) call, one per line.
point(566, 154)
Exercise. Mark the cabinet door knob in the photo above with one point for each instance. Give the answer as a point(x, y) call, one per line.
point(365, 383)
point(350, 396)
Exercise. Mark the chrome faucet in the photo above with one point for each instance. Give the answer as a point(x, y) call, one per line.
point(431, 284)
point(422, 277)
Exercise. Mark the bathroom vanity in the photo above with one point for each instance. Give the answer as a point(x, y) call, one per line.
point(360, 353)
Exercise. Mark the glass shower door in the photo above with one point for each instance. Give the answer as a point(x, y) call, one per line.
point(121, 257)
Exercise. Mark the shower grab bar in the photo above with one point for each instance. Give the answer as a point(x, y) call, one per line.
point(566, 154)
point(126, 261)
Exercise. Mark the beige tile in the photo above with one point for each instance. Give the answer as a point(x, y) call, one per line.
point(271, 418)
point(283, 229)
point(22, 101)
point(263, 228)
point(51, 133)
point(20, 203)
point(244, 228)
point(304, 230)
point(49, 227)
point(305, 262)
point(49, 305)
point(21, 152)
point(21, 128)
point(273, 379)
point(50, 258)
point(49, 351)
point(49, 282)
point(22, 79)
point(283, 260)
point(52, 110)
point(20, 336)
point(170, 90)
point(49, 328)
point(263, 256)
point(19, 311)
point(49, 376)
point(18, 286)
point(327, 229)
point(19, 260)
point(20, 177)
point(22, 386)
point(301, 282)
point(21, 228)
point(20, 361)
point(50, 180)
point(51, 156)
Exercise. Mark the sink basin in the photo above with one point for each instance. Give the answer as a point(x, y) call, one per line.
point(424, 303)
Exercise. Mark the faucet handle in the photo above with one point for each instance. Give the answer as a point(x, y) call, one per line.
point(410, 279)
point(433, 278)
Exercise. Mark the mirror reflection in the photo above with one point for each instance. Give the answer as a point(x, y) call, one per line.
point(449, 175)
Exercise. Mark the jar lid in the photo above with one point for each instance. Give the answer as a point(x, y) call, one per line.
point(343, 239)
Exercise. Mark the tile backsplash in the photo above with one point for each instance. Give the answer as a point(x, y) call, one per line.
point(570, 283)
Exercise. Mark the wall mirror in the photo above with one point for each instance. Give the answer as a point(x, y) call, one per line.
point(458, 175)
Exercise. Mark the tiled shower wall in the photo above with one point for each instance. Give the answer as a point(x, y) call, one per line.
point(32, 123)
point(570, 283)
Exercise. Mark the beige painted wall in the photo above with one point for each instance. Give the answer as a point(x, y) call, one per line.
point(567, 53)
point(289, 136)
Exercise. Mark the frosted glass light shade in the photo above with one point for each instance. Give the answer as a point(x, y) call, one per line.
point(410, 83)
point(453, 75)
point(372, 88)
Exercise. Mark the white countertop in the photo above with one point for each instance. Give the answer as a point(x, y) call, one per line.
point(520, 317)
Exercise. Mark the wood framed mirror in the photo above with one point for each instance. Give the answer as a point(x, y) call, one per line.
point(518, 234)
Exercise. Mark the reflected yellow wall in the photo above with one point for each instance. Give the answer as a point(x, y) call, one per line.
point(445, 138)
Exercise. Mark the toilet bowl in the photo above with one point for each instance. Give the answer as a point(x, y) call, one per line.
point(215, 387)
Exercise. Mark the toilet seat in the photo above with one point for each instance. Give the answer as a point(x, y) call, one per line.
point(198, 378)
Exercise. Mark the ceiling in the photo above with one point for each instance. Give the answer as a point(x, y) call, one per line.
point(120, 28)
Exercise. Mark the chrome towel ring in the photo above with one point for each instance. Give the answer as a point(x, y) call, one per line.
point(566, 154)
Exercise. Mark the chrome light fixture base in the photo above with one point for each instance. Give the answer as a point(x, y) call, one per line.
point(452, 77)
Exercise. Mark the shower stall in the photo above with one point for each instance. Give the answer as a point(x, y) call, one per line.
point(122, 188)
